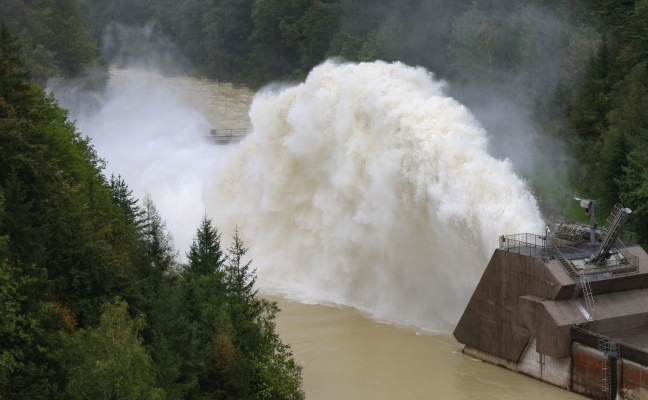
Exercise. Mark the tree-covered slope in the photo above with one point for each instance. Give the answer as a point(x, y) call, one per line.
point(55, 37)
point(93, 303)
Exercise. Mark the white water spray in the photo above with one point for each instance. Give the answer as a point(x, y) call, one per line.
point(150, 130)
point(367, 186)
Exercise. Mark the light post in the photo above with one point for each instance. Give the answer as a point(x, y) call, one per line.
point(590, 209)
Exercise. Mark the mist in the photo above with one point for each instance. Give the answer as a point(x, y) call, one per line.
point(367, 185)
point(507, 64)
point(150, 127)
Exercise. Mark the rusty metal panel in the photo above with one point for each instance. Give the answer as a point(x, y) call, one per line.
point(588, 373)
point(633, 382)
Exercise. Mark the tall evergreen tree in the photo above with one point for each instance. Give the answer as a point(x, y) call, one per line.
point(122, 195)
point(205, 255)
point(161, 257)
point(240, 279)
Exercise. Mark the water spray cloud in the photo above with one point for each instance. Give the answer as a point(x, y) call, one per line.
point(368, 186)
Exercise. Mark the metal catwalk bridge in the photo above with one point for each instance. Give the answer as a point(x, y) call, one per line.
point(227, 136)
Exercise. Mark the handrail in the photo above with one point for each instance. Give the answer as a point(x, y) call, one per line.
point(229, 132)
point(617, 219)
point(522, 240)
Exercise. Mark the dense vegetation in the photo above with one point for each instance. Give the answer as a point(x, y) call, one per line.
point(55, 36)
point(93, 302)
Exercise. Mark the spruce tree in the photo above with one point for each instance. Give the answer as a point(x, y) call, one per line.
point(240, 279)
point(205, 255)
point(158, 245)
point(122, 195)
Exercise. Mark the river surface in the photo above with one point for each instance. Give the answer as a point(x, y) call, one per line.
point(344, 352)
point(346, 355)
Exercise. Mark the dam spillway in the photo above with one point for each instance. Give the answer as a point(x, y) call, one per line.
point(547, 307)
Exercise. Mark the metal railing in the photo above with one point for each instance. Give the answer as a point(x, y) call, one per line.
point(522, 242)
point(566, 264)
point(628, 238)
point(589, 297)
point(229, 132)
point(624, 263)
point(534, 245)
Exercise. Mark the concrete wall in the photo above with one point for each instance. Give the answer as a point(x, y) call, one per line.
point(493, 321)
point(523, 305)
point(534, 364)
point(546, 368)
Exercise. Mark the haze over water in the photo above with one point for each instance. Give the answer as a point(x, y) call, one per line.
point(365, 186)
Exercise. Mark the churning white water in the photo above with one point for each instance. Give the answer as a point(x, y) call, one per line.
point(368, 186)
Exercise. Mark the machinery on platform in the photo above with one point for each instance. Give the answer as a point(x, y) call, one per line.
point(569, 307)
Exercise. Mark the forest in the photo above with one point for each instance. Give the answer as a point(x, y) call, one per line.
point(87, 270)
point(94, 303)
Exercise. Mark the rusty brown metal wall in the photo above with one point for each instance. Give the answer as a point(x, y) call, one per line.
point(632, 366)
point(633, 381)
point(588, 373)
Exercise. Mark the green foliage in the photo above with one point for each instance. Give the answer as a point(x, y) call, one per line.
point(158, 244)
point(211, 336)
point(123, 198)
point(509, 43)
point(226, 28)
point(56, 201)
point(205, 255)
point(109, 362)
point(633, 185)
point(72, 242)
point(13, 85)
point(273, 39)
point(312, 33)
point(24, 372)
point(607, 113)
point(55, 36)
point(591, 104)
point(240, 280)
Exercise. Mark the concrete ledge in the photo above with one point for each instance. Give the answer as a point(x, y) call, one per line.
point(536, 365)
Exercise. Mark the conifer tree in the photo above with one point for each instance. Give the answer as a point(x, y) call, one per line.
point(240, 279)
point(122, 195)
point(160, 255)
point(205, 255)
point(14, 86)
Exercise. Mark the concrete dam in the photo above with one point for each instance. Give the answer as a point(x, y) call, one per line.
point(569, 308)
